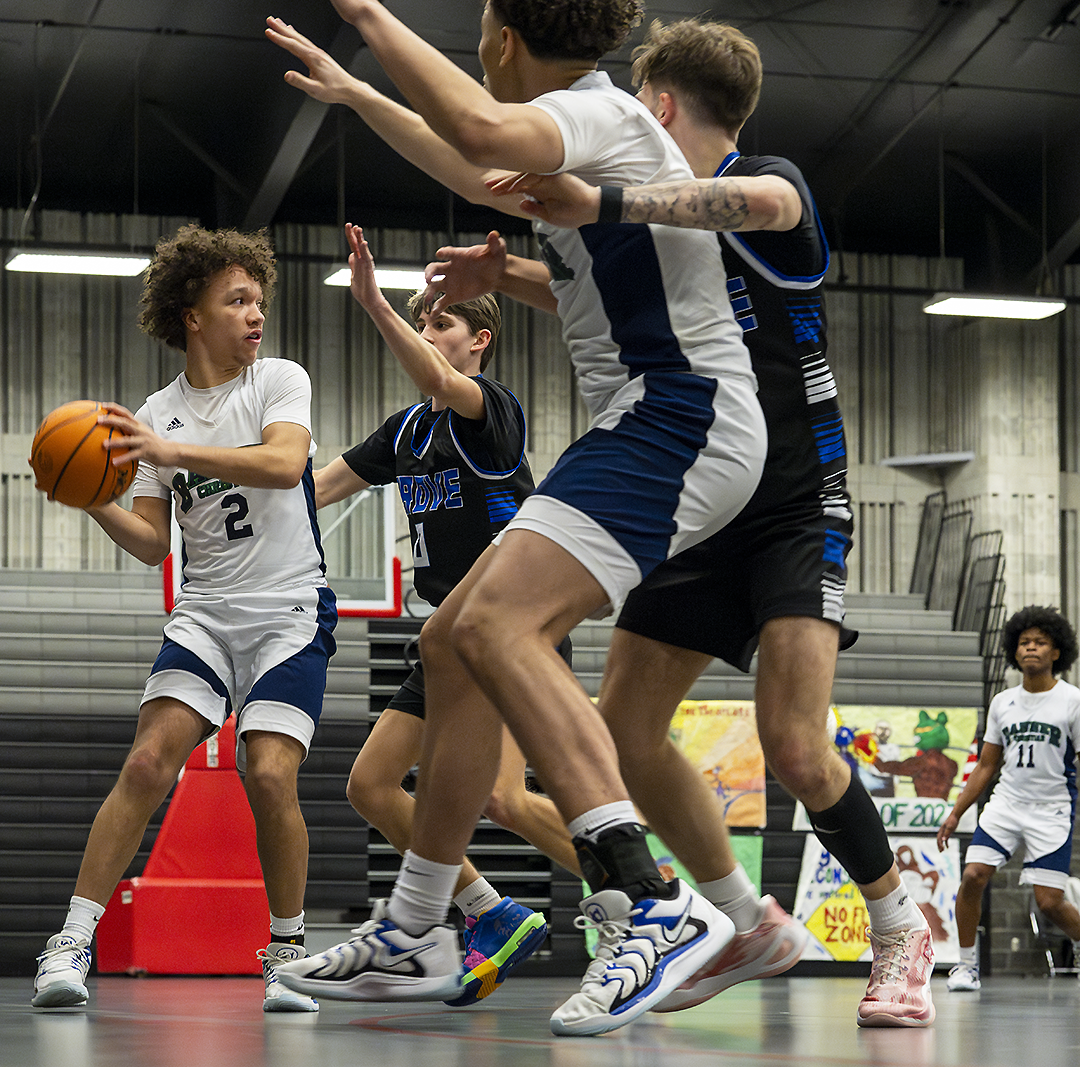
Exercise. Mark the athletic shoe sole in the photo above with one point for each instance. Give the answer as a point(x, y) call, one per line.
point(61, 995)
point(885, 1020)
point(376, 986)
point(289, 1002)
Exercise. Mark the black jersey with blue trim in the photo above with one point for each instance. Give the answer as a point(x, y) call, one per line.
point(774, 280)
point(460, 480)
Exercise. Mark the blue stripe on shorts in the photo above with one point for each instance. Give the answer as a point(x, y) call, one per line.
point(629, 478)
point(174, 657)
point(300, 681)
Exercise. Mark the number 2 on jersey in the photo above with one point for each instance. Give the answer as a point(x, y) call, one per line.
point(232, 528)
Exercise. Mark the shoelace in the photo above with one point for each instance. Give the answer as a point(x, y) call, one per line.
point(265, 956)
point(888, 967)
point(52, 955)
point(610, 934)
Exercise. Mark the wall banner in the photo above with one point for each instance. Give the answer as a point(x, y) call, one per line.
point(913, 762)
point(719, 737)
point(831, 907)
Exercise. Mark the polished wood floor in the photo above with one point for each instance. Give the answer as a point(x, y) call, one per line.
point(206, 1022)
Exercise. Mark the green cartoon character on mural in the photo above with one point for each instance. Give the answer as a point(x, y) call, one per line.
point(932, 773)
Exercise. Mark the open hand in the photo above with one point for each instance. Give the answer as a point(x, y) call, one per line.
point(464, 273)
point(326, 79)
point(560, 199)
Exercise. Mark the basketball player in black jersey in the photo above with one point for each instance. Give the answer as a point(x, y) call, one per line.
point(458, 459)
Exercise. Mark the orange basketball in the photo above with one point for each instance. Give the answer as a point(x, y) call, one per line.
point(69, 459)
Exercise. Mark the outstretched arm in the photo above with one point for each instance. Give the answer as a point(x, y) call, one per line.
point(486, 132)
point(764, 202)
point(404, 130)
point(336, 481)
point(466, 273)
point(422, 361)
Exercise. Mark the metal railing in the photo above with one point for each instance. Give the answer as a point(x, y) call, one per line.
point(962, 572)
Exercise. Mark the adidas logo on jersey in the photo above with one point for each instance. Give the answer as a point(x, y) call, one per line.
point(303, 611)
point(176, 424)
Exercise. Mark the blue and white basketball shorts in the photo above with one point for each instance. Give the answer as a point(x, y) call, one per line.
point(263, 655)
point(1045, 830)
point(672, 459)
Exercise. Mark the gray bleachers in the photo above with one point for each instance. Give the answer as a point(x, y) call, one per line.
point(74, 653)
point(905, 655)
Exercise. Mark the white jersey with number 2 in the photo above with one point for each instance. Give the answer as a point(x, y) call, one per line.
point(237, 538)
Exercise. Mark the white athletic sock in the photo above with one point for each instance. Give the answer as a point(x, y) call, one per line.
point(422, 893)
point(592, 823)
point(737, 898)
point(969, 956)
point(280, 929)
point(82, 918)
point(894, 912)
point(476, 898)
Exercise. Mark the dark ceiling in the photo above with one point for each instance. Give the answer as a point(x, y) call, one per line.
point(912, 119)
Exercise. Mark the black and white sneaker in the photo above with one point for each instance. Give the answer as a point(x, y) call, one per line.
point(382, 962)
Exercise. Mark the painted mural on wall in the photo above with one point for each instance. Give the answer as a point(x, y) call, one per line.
point(831, 907)
point(719, 737)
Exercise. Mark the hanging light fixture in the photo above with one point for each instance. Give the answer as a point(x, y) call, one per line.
point(30, 257)
point(976, 305)
point(994, 307)
point(411, 278)
point(73, 261)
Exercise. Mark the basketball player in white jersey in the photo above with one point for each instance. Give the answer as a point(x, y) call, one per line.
point(225, 448)
point(674, 452)
point(1032, 736)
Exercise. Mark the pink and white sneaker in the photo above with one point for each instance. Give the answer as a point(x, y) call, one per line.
point(774, 945)
point(899, 989)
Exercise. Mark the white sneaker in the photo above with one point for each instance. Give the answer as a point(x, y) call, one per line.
point(279, 997)
point(61, 973)
point(963, 977)
point(645, 950)
point(772, 947)
point(899, 989)
point(382, 962)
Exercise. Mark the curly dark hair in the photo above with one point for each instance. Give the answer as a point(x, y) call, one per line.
point(570, 29)
point(183, 266)
point(1052, 623)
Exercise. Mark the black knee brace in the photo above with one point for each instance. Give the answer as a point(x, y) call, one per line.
point(853, 832)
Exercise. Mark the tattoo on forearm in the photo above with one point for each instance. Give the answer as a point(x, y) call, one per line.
point(708, 204)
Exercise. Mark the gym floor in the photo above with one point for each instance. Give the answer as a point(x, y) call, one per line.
point(206, 1022)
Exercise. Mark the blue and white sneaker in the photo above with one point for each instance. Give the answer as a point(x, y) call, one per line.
point(645, 949)
point(495, 943)
point(61, 973)
point(382, 962)
point(277, 996)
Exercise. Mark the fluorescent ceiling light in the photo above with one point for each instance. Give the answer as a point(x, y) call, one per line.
point(115, 264)
point(994, 307)
point(410, 278)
